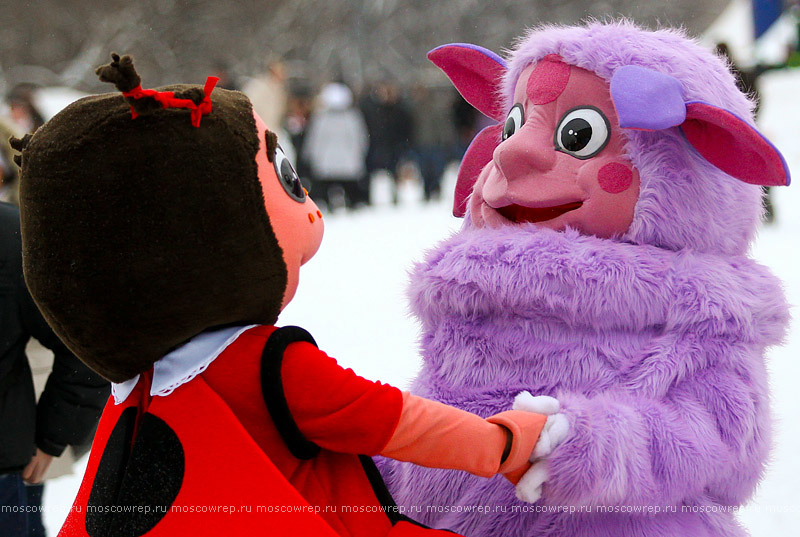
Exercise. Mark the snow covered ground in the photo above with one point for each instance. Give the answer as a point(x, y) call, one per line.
point(352, 298)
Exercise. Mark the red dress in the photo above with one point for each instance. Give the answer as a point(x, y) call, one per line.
point(273, 438)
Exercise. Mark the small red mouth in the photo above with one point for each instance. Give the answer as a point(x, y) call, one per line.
point(519, 214)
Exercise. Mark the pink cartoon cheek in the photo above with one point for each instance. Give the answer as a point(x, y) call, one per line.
point(615, 178)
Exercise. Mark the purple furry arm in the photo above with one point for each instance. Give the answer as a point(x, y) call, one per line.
point(709, 434)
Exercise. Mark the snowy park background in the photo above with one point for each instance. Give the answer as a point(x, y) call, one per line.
point(352, 295)
point(352, 298)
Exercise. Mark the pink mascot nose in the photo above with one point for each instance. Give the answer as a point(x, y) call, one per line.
point(528, 151)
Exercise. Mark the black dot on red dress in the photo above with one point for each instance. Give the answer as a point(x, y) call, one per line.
point(137, 481)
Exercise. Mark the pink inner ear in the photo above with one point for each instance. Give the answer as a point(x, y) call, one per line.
point(476, 73)
point(733, 146)
point(475, 159)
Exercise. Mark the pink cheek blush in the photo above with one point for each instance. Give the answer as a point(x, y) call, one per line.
point(615, 178)
point(548, 80)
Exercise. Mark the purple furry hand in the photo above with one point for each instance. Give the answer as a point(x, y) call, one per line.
point(620, 449)
point(624, 449)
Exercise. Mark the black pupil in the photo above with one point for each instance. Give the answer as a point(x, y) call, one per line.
point(509, 128)
point(290, 179)
point(576, 134)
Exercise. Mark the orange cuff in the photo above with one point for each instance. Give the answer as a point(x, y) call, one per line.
point(525, 429)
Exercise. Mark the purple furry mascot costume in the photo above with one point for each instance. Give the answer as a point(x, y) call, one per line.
point(603, 265)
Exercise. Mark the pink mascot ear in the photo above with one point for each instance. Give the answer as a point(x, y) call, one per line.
point(478, 155)
point(649, 100)
point(732, 145)
point(476, 73)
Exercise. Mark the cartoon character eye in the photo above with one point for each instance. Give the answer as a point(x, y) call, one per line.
point(583, 132)
point(513, 121)
point(288, 177)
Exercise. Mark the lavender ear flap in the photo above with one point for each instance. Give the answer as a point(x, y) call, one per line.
point(649, 100)
point(475, 72)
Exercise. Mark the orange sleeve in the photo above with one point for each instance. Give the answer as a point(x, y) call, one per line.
point(439, 436)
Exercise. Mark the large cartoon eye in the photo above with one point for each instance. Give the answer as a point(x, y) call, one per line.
point(513, 121)
point(288, 177)
point(582, 132)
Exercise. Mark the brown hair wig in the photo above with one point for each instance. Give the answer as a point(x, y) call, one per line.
point(140, 233)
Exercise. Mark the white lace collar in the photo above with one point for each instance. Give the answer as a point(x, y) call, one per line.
point(184, 363)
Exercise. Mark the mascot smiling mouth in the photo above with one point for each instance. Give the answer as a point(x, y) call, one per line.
point(520, 214)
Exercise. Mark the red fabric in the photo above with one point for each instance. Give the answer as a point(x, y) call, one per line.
point(168, 100)
point(331, 478)
point(223, 466)
point(335, 408)
point(548, 79)
point(143, 403)
point(235, 455)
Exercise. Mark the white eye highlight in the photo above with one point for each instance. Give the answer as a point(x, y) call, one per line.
point(583, 132)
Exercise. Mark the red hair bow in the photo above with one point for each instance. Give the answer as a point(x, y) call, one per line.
point(168, 100)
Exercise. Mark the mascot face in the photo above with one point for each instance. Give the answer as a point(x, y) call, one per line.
point(639, 143)
point(296, 220)
point(562, 161)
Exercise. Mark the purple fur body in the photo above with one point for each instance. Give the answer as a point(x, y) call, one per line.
point(653, 343)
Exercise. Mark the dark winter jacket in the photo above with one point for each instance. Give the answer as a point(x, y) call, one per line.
point(74, 396)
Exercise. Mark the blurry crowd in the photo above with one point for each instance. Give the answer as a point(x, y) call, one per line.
point(18, 116)
point(340, 138)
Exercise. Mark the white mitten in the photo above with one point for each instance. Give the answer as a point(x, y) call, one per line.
point(556, 428)
point(529, 488)
point(541, 404)
point(554, 432)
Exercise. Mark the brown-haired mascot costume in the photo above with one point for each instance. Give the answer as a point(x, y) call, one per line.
point(163, 233)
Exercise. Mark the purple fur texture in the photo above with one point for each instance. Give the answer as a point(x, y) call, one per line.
point(655, 355)
point(653, 342)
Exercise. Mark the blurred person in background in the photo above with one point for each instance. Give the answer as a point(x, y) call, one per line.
point(389, 124)
point(9, 185)
point(299, 106)
point(22, 111)
point(31, 434)
point(433, 137)
point(269, 94)
point(23, 117)
point(226, 79)
point(465, 120)
point(335, 148)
